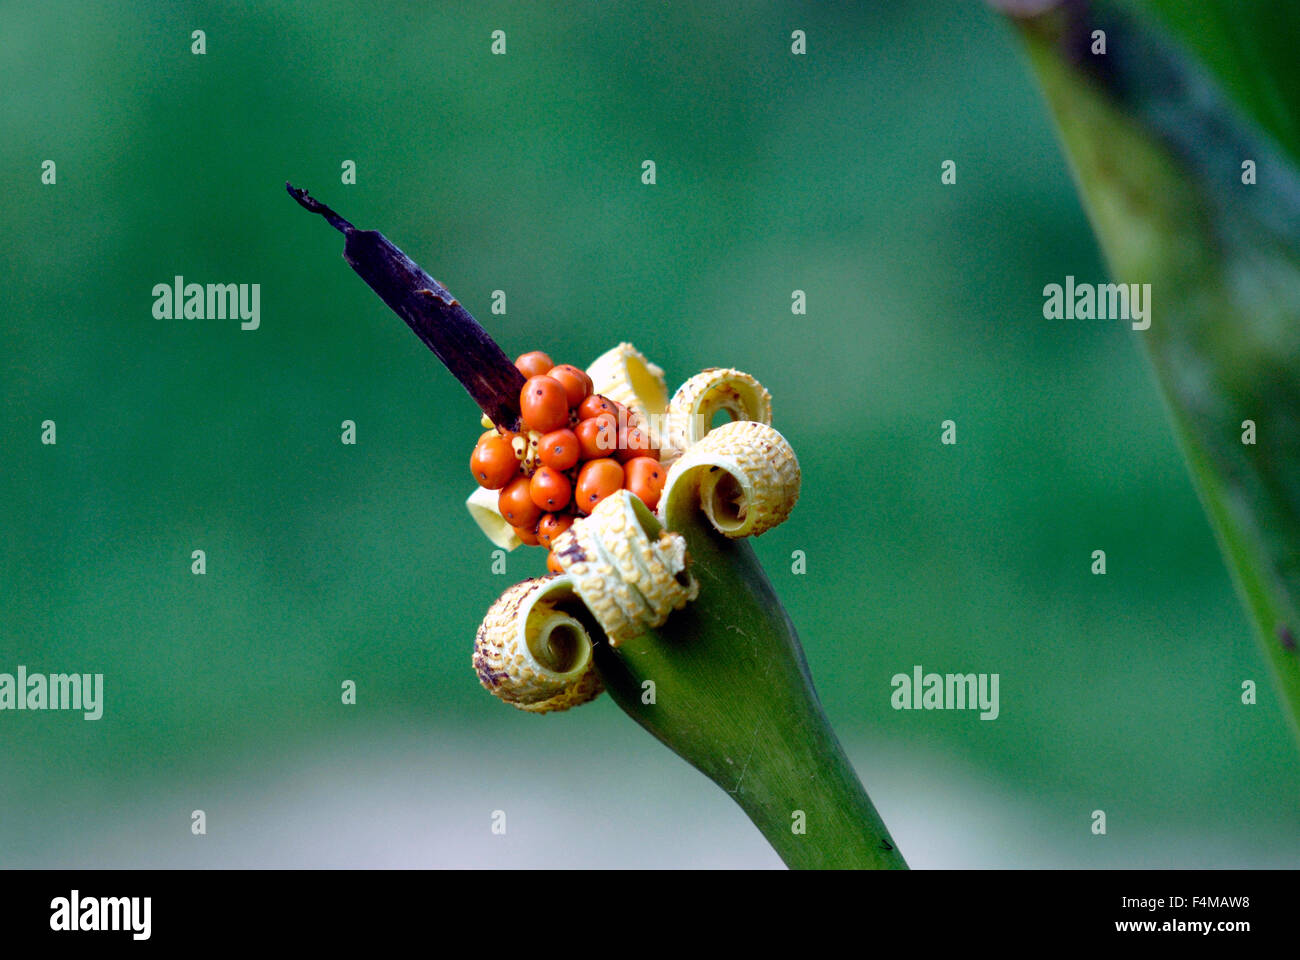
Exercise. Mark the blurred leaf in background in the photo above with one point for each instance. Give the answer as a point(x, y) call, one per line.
point(1187, 197)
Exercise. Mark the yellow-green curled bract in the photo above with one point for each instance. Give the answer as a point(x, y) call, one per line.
point(745, 474)
point(689, 416)
point(630, 572)
point(533, 649)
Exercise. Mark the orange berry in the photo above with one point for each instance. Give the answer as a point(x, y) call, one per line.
point(493, 462)
point(527, 534)
point(596, 481)
point(595, 405)
point(576, 383)
point(552, 564)
point(550, 489)
point(551, 526)
point(559, 449)
point(598, 436)
point(544, 404)
point(516, 504)
point(645, 476)
point(533, 364)
point(635, 442)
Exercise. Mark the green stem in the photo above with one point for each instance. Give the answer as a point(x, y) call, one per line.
point(732, 695)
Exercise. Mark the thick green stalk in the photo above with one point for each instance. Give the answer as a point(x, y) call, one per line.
point(1159, 156)
point(724, 684)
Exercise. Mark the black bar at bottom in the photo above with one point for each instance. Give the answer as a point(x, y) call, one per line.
point(571, 910)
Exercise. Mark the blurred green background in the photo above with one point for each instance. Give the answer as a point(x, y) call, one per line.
point(522, 173)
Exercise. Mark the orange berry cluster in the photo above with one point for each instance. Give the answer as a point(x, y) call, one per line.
point(577, 448)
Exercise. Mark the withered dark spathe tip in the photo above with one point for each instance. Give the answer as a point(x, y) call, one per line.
point(307, 202)
point(435, 316)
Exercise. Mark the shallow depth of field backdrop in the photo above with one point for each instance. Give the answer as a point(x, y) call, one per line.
point(521, 172)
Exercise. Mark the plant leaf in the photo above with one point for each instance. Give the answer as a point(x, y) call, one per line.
point(1250, 48)
point(1157, 150)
